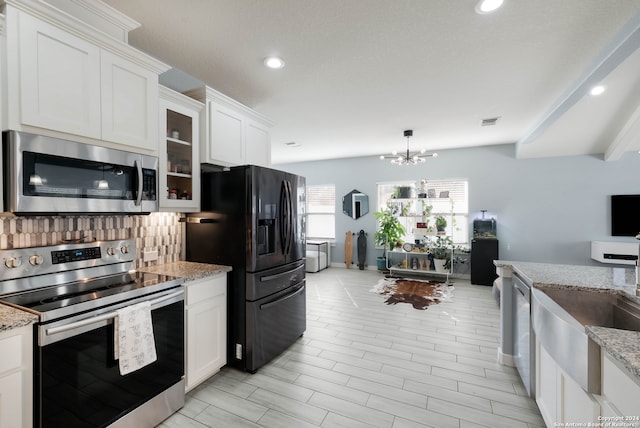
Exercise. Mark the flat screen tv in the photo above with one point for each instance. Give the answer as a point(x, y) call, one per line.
point(625, 215)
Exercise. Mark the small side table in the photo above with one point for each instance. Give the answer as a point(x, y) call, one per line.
point(317, 256)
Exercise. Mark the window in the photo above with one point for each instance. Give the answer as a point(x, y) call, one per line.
point(448, 198)
point(321, 211)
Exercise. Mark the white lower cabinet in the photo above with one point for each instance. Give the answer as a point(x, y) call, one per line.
point(206, 328)
point(546, 385)
point(620, 393)
point(560, 399)
point(16, 365)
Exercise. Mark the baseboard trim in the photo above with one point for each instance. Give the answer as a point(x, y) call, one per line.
point(506, 359)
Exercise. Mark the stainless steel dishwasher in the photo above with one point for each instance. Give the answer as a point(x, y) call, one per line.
point(524, 341)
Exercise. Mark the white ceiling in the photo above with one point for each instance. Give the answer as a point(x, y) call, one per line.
point(359, 72)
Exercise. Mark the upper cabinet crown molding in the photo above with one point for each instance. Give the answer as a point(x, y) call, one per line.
point(93, 21)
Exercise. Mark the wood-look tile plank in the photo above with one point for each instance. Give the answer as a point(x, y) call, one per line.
point(394, 393)
point(294, 408)
point(344, 392)
point(281, 387)
point(334, 420)
point(229, 402)
point(434, 391)
point(413, 413)
point(275, 419)
point(367, 415)
point(461, 411)
point(216, 417)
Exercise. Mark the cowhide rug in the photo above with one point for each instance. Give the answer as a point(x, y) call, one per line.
point(420, 294)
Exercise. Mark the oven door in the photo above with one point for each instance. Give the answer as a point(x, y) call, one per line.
point(78, 381)
point(53, 176)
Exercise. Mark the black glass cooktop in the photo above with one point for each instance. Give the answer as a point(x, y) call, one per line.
point(88, 294)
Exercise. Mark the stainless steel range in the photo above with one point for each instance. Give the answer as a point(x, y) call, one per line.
point(78, 291)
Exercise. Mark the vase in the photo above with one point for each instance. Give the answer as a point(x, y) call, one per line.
point(439, 265)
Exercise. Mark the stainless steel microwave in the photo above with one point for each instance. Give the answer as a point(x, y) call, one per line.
point(44, 175)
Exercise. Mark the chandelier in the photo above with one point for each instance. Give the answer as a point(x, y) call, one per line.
point(409, 158)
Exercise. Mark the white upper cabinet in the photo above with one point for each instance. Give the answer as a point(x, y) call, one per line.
point(257, 143)
point(234, 134)
point(179, 152)
point(59, 79)
point(67, 76)
point(129, 95)
point(226, 142)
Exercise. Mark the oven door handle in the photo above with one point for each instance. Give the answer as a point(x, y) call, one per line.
point(109, 315)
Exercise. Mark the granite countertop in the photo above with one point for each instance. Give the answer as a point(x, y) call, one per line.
point(190, 271)
point(11, 318)
point(548, 275)
point(623, 345)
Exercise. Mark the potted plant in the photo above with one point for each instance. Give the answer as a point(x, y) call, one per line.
point(441, 252)
point(441, 223)
point(389, 232)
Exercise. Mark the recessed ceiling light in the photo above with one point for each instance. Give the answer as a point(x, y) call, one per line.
point(292, 144)
point(597, 90)
point(274, 62)
point(487, 6)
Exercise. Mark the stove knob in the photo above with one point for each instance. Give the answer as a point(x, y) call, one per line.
point(36, 260)
point(124, 249)
point(13, 262)
point(111, 251)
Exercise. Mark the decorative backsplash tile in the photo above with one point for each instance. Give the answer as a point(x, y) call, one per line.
point(157, 231)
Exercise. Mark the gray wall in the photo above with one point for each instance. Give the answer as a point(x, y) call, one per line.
point(548, 210)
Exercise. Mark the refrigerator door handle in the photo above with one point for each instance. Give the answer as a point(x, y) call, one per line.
point(285, 217)
point(278, 275)
point(282, 299)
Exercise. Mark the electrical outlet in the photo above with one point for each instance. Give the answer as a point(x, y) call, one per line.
point(149, 255)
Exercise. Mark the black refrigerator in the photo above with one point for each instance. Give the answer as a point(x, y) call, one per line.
point(253, 219)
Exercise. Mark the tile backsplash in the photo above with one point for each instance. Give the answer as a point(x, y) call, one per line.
point(157, 231)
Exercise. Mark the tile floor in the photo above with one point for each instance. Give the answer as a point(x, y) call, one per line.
point(362, 363)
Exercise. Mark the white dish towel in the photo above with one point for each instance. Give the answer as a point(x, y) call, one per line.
point(134, 343)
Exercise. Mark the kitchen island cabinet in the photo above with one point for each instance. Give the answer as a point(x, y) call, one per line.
point(16, 368)
point(611, 389)
point(559, 398)
point(620, 357)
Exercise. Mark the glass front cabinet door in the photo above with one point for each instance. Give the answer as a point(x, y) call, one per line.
point(179, 152)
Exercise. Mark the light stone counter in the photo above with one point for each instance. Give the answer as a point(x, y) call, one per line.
point(11, 318)
point(547, 275)
point(190, 271)
point(622, 345)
